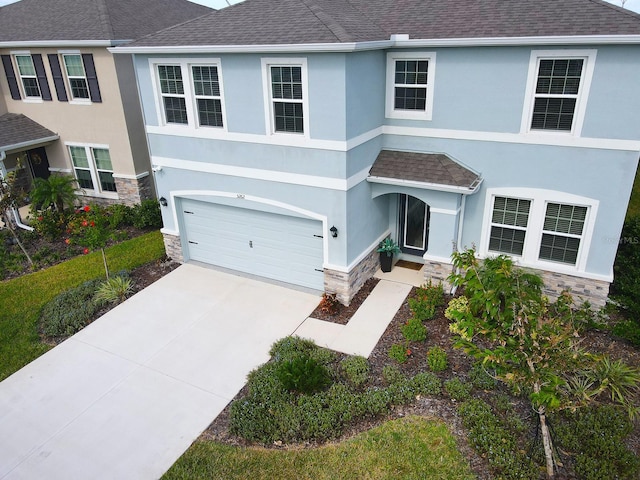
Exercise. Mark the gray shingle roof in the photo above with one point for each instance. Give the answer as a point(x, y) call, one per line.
point(431, 168)
point(78, 20)
point(268, 22)
point(17, 129)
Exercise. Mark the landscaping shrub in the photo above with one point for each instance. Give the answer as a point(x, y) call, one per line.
point(595, 438)
point(50, 224)
point(629, 330)
point(414, 331)
point(147, 214)
point(356, 370)
point(493, 441)
point(480, 378)
point(457, 389)
point(329, 304)
point(625, 288)
point(399, 353)
point(426, 383)
point(428, 298)
point(115, 290)
point(437, 359)
point(120, 215)
point(70, 311)
point(392, 374)
point(303, 374)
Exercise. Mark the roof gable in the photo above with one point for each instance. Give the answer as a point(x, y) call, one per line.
point(91, 20)
point(294, 22)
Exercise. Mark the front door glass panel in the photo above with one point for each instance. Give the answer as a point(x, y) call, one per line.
point(414, 228)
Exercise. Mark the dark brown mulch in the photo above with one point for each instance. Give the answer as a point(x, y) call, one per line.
point(344, 313)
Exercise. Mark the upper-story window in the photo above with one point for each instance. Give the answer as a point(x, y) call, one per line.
point(557, 90)
point(410, 79)
point(286, 82)
point(93, 168)
point(76, 76)
point(190, 93)
point(27, 72)
point(542, 228)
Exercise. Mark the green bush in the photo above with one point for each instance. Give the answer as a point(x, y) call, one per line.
point(426, 383)
point(437, 359)
point(625, 288)
point(303, 374)
point(428, 298)
point(70, 311)
point(147, 214)
point(399, 353)
point(51, 224)
point(629, 330)
point(356, 369)
point(493, 441)
point(480, 378)
point(414, 331)
point(392, 375)
point(595, 436)
point(457, 389)
point(120, 215)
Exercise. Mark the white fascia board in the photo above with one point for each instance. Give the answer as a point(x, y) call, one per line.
point(62, 43)
point(285, 48)
point(425, 185)
point(22, 145)
point(396, 41)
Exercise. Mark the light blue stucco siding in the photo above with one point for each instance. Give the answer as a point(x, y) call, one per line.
point(603, 175)
point(365, 92)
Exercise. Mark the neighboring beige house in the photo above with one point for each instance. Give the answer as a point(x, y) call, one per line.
point(67, 104)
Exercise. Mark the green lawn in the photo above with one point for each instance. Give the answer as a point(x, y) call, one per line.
point(408, 448)
point(23, 297)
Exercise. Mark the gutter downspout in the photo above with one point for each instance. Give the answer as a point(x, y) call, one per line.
point(459, 237)
point(14, 211)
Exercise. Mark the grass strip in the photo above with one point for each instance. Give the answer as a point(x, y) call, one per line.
point(24, 297)
point(408, 448)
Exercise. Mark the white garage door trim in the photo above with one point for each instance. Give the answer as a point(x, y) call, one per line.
point(274, 245)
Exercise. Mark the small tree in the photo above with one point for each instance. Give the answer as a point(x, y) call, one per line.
point(10, 196)
point(92, 230)
point(57, 190)
point(510, 326)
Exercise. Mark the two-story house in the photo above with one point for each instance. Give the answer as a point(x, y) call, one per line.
point(67, 104)
point(289, 138)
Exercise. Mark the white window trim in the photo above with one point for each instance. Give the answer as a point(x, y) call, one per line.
point(539, 199)
point(267, 63)
point(390, 111)
point(189, 93)
point(589, 57)
point(93, 169)
point(63, 66)
point(25, 98)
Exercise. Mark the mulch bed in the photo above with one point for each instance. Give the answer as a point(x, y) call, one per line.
point(344, 313)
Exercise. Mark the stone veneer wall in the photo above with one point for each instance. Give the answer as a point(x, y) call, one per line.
point(346, 285)
point(132, 191)
point(582, 289)
point(173, 247)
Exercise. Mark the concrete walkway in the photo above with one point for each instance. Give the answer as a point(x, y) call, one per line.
point(126, 396)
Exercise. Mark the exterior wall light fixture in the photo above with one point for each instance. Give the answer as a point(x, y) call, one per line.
point(334, 231)
point(163, 201)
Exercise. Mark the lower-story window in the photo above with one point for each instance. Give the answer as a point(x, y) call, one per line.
point(93, 168)
point(540, 229)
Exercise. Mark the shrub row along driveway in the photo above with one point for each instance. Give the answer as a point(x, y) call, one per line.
point(127, 395)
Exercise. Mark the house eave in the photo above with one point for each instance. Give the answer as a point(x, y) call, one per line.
point(470, 190)
point(62, 43)
point(396, 41)
point(29, 143)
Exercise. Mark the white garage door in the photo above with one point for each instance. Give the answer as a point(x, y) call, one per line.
point(270, 245)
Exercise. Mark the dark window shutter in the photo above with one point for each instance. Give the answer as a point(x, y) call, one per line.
point(42, 76)
point(58, 79)
point(92, 78)
point(11, 77)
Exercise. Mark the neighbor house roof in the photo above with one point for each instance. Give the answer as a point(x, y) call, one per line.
point(18, 131)
point(292, 22)
point(92, 20)
point(429, 169)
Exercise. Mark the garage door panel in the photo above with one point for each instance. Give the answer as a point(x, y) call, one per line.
point(267, 244)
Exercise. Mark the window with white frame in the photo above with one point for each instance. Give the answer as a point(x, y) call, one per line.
point(172, 92)
point(557, 90)
point(541, 227)
point(206, 89)
point(28, 76)
point(285, 83)
point(410, 79)
point(93, 168)
point(76, 76)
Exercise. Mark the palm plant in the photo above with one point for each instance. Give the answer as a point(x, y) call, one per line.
point(57, 190)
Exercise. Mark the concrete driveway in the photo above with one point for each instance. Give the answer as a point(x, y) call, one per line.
point(125, 397)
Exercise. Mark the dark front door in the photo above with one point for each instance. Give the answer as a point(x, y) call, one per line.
point(39, 163)
point(414, 225)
